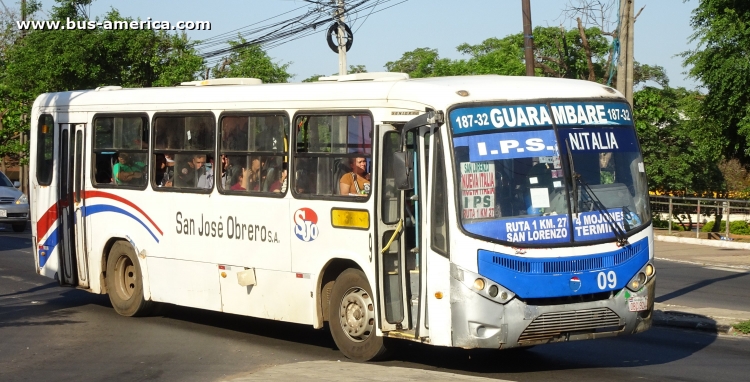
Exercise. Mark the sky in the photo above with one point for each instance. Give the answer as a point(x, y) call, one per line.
point(662, 30)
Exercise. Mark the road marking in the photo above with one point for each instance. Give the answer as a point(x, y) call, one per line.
point(14, 278)
point(727, 269)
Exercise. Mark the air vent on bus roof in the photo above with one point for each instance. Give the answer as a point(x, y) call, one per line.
point(374, 76)
point(224, 81)
point(108, 88)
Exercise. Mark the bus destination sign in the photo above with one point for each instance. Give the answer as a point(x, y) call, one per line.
point(483, 118)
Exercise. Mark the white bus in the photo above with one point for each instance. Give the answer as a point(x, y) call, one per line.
point(475, 212)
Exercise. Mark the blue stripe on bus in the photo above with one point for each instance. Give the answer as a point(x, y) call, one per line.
point(49, 246)
point(53, 238)
point(551, 277)
point(90, 210)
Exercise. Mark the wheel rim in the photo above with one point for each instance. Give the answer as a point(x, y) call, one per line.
point(125, 279)
point(357, 314)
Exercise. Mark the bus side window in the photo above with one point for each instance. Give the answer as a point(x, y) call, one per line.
point(183, 149)
point(253, 152)
point(120, 146)
point(334, 153)
point(45, 149)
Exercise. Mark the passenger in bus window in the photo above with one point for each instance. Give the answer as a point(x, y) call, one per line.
point(225, 179)
point(356, 182)
point(126, 171)
point(209, 179)
point(192, 173)
point(280, 184)
point(236, 177)
point(254, 175)
point(167, 172)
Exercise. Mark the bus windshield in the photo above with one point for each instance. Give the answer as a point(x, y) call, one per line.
point(522, 181)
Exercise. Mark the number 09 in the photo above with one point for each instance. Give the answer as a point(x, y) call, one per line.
point(608, 279)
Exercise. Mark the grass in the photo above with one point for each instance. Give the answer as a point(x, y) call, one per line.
point(743, 327)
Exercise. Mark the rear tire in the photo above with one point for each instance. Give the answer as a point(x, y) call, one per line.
point(125, 281)
point(19, 227)
point(352, 320)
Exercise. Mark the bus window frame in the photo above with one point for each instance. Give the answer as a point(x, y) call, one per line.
point(285, 153)
point(153, 152)
point(147, 125)
point(293, 154)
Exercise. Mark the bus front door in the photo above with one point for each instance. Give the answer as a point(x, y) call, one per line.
point(72, 243)
point(397, 249)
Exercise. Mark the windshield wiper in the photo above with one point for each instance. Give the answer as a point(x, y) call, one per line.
point(619, 233)
point(573, 174)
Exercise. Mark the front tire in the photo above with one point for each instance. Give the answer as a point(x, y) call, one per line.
point(125, 281)
point(352, 320)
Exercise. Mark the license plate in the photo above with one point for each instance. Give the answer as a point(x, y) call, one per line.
point(3, 213)
point(637, 303)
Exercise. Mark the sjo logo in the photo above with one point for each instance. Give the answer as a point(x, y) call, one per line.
point(306, 224)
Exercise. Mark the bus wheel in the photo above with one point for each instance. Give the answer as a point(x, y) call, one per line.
point(354, 328)
point(124, 281)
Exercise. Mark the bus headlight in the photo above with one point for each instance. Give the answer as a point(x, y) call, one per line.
point(649, 270)
point(641, 278)
point(482, 286)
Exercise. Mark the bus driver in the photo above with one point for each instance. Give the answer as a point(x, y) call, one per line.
point(356, 182)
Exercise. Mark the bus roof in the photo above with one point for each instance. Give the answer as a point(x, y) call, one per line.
point(437, 92)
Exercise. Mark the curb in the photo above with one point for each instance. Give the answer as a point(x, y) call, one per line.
point(713, 320)
point(687, 321)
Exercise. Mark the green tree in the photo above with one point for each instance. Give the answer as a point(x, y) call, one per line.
point(681, 149)
point(59, 60)
point(353, 69)
point(720, 61)
point(313, 78)
point(559, 53)
point(357, 69)
point(251, 61)
point(418, 63)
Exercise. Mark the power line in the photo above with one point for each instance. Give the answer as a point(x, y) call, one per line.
point(291, 29)
point(214, 38)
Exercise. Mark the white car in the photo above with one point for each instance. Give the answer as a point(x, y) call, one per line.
point(14, 205)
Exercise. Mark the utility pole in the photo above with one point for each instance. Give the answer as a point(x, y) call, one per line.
point(23, 15)
point(23, 173)
point(625, 61)
point(528, 39)
point(341, 39)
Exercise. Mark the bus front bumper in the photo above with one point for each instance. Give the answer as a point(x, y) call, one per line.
point(478, 322)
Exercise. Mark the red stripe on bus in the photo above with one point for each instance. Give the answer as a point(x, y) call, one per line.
point(101, 194)
point(45, 222)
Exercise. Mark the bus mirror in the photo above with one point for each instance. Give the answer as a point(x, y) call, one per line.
point(402, 170)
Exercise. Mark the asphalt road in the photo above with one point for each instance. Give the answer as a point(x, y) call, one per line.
point(53, 333)
point(697, 286)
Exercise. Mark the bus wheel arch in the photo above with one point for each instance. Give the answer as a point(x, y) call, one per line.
point(103, 263)
point(330, 272)
point(353, 317)
point(124, 280)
